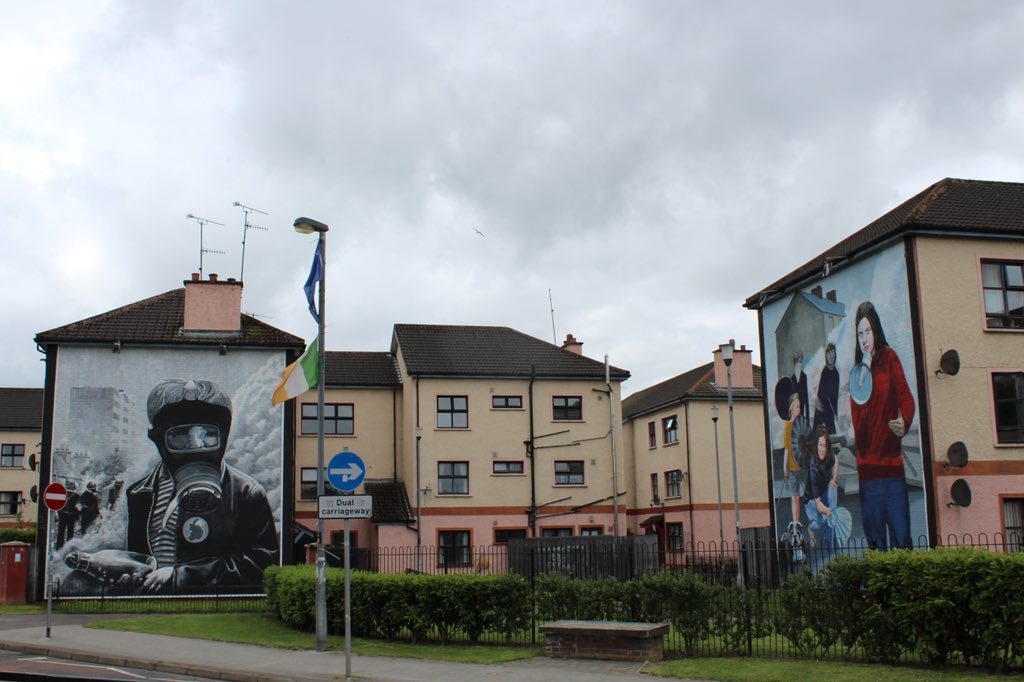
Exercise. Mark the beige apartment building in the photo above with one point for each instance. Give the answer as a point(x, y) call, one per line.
point(21, 425)
point(910, 332)
point(670, 436)
point(472, 436)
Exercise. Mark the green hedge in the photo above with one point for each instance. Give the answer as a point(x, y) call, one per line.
point(385, 605)
point(18, 535)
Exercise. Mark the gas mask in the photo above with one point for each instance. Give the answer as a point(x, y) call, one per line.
point(191, 435)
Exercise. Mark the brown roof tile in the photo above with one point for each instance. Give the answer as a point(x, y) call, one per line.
point(949, 206)
point(448, 350)
point(356, 368)
point(390, 503)
point(159, 320)
point(21, 409)
point(696, 383)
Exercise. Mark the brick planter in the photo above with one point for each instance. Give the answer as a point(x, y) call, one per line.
point(604, 640)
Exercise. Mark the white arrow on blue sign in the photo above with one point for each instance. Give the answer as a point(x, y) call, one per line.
point(345, 471)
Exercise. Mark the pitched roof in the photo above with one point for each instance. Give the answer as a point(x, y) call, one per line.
point(21, 409)
point(159, 320)
point(825, 305)
point(356, 368)
point(696, 383)
point(447, 350)
point(950, 205)
point(390, 503)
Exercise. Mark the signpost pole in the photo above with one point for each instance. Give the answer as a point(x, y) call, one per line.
point(348, 609)
point(55, 497)
point(49, 579)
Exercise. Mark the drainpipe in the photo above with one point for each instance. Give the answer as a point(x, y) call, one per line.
point(419, 510)
point(394, 434)
point(615, 462)
point(689, 483)
point(532, 515)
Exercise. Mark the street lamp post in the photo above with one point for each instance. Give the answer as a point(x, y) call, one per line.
point(718, 481)
point(309, 226)
point(727, 351)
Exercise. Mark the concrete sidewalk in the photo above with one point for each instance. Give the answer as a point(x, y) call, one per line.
point(242, 662)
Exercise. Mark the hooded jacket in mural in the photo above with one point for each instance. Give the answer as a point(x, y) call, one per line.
point(879, 453)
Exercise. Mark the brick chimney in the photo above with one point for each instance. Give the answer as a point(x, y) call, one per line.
point(831, 295)
point(816, 291)
point(742, 368)
point(212, 305)
point(572, 345)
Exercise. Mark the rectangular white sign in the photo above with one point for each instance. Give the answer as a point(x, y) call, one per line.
point(345, 506)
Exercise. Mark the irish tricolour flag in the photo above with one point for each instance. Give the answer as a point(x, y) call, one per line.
point(298, 377)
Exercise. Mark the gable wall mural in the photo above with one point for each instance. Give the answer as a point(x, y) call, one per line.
point(173, 460)
point(843, 408)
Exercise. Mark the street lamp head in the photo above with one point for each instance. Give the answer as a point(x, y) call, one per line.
point(309, 226)
point(714, 413)
point(726, 350)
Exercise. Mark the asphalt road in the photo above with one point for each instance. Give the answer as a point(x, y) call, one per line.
point(17, 666)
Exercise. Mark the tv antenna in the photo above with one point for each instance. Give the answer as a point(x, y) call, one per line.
point(203, 222)
point(554, 336)
point(245, 231)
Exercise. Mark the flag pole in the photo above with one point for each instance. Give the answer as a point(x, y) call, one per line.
point(308, 226)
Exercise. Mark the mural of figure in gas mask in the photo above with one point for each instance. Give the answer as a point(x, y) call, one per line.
point(203, 521)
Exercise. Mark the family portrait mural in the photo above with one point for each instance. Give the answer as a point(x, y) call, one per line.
point(842, 409)
point(173, 463)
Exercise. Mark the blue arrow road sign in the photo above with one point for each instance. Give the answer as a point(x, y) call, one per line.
point(345, 471)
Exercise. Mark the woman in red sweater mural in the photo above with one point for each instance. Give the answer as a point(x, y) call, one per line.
point(882, 408)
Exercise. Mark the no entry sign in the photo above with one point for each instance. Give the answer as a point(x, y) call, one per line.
point(55, 496)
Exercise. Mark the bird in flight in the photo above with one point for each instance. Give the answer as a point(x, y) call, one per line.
point(479, 232)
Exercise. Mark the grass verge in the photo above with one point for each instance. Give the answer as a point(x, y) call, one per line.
point(767, 670)
point(265, 630)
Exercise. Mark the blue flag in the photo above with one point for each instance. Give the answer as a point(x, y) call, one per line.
point(316, 273)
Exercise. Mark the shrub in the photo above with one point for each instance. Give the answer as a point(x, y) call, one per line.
point(18, 535)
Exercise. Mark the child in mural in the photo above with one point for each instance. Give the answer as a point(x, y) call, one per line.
point(882, 408)
point(194, 521)
point(827, 402)
point(799, 380)
point(822, 488)
point(796, 439)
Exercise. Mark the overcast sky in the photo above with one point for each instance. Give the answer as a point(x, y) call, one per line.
point(652, 163)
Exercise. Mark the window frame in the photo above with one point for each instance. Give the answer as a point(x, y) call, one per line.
point(328, 488)
point(587, 531)
point(9, 451)
point(335, 419)
point(564, 412)
point(452, 411)
point(517, 530)
point(467, 547)
point(1004, 321)
point(674, 431)
point(506, 399)
point(1012, 543)
point(1015, 432)
point(655, 489)
point(674, 483)
point(674, 541)
point(557, 532)
point(582, 472)
point(353, 538)
point(452, 477)
point(652, 435)
point(496, 462)
point(11, 504)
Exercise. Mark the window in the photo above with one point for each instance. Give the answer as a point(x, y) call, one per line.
point(1003, 285)
point(1008, 394)
point(452, 412)
point(453, 547)
point(453, 478)
point(307, 484)
point(673, 481)
point(556, 532)
point(670, 430)
point(12, 456)
point(652, 435)
point(569, 472)
point(591, 531)
point(674, 536)
point(9, 503)
point(507, 467)
point(567, 408)
point(1013, 524)
point(507, 402)
point(503, 535)
point(339, 419)
point(338, 539)
point(655, 497)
